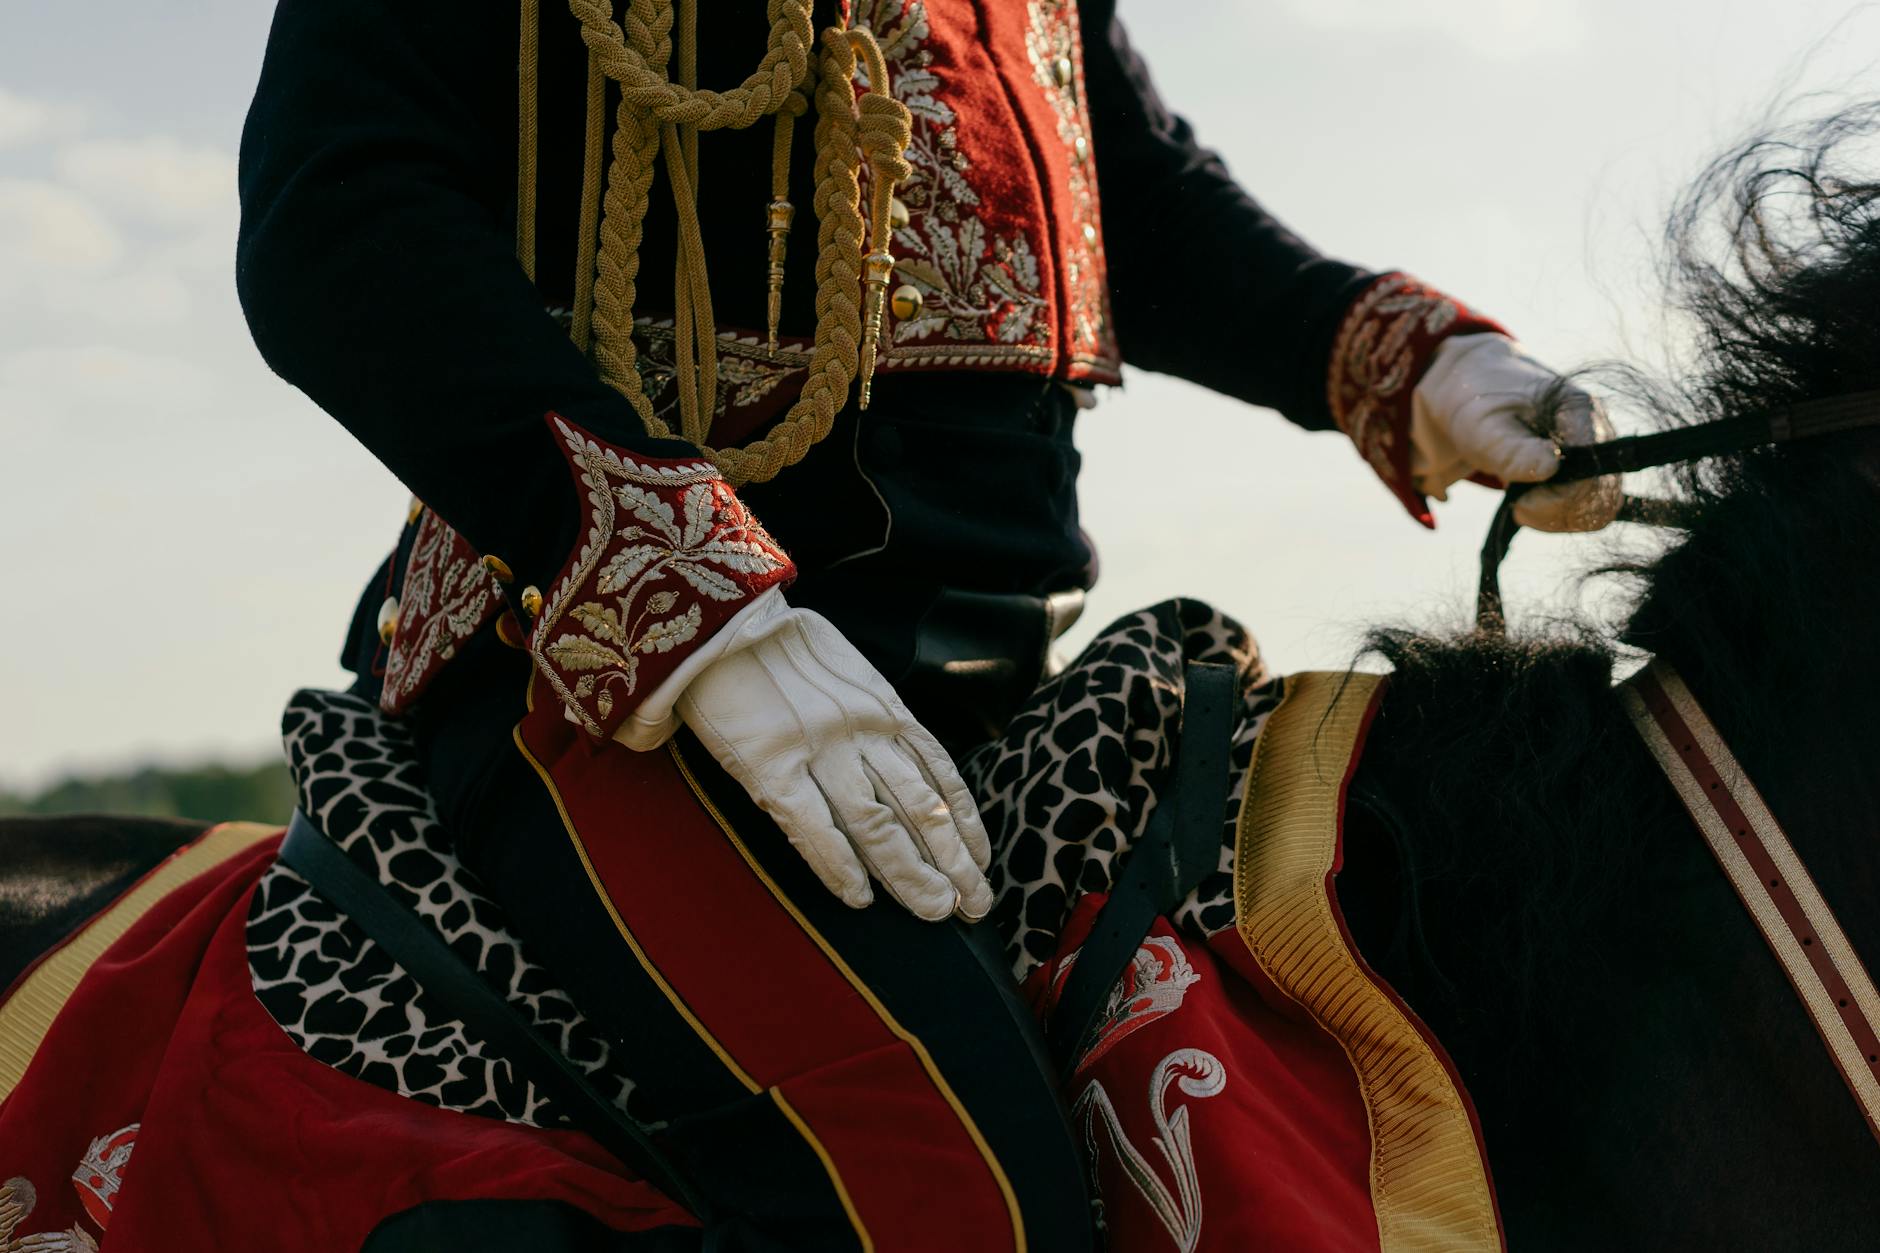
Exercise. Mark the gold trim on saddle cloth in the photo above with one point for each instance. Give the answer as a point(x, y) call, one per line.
point(1429, 1184)
point(27, 1015)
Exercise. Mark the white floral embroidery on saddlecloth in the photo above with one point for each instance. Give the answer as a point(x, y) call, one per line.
point(669, 554)
point(1153, 985)
point(976, 286)
point(100, 1173)
point(18, 1200)
point(1198, 1074)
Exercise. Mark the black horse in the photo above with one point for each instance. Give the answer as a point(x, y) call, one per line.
point(1517, 866)
point(1526, 877)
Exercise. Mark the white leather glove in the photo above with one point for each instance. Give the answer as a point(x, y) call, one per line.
point(1474, 411)
point(822, 743)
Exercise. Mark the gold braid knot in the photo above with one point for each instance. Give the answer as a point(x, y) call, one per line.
point(656, 114)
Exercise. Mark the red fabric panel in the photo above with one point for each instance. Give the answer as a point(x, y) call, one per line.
point(772, 1000)
point(1280, 1154)
point(245, 1142)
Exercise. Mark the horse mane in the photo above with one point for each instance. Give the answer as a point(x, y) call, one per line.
point(1529, 786)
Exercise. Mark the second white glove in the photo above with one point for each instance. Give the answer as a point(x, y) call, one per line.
point(823, 744)
point(1472, 413)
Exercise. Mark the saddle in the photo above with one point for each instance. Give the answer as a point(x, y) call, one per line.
point(353, 869)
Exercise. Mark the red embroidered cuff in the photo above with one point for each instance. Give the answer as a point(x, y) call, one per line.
point(447, 595)
point(1383, 347)
point(668, 555)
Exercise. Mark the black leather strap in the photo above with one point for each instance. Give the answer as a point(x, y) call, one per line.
point(1181, 845)
point(1580, 462)
point(464, 994)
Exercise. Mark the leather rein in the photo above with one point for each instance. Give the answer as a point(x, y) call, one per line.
point(1645, 452)
point(1750, 846)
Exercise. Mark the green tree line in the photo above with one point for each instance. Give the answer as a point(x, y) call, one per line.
point(211, 793)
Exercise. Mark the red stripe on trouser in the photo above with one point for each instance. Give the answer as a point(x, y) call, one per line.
point(771, 999)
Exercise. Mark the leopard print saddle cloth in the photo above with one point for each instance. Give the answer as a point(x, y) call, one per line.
point(1064, 794)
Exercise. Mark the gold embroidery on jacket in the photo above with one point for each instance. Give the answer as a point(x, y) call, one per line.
point(642, 584)
point(1057, 64)
point(447, 595)
point(975, 286)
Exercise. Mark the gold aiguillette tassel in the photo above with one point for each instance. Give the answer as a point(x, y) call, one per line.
point(780, 214)
point(877, 269)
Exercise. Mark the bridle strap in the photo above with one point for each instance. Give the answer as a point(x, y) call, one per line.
point(1769, 878)
point(1580, 462)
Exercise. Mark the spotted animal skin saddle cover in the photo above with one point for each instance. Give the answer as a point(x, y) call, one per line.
point(1064, 793)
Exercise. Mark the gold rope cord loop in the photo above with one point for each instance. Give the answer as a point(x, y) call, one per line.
point(644, 81)
point(656, 113)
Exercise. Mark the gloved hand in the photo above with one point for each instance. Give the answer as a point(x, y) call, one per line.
point(1473, 412)
point(822, 743)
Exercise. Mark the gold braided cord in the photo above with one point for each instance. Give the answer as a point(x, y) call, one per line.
point(838, 278)
point(628, 191)
point(655, 113)
point(591, 153)
point(644, 82)
point(695, 331)
point(528, 60)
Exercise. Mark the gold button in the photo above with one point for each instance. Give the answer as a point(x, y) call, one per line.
point(907, 302)
point(509, 632)
point(532, 601)
point(498, 567)
point(388, 619)
point(1080, 148)
point(413, 510)
point(1061, 70)
point(897, 212)
point(1090, 234)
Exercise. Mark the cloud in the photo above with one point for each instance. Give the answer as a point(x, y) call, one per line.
point(157, 179)
point(47, 227)
point(41, 380)
point(133, 234)
point(1503, 29)
point(24, 121)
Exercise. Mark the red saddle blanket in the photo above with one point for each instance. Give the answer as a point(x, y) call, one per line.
point(151, 1103)
point(1262, 1090)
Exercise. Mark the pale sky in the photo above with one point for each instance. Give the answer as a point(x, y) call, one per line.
point(184, 535)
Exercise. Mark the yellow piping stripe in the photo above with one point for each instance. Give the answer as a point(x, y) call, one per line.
point(881, 1011)
point(28, 1014)
point(620, 924)
point(1429, 1186)
point(829, 1165)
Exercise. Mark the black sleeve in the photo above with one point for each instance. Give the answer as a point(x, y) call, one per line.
point(376, 264)
point(1204, 283)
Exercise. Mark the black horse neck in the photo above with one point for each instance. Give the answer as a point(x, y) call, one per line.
point(1521, 872)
